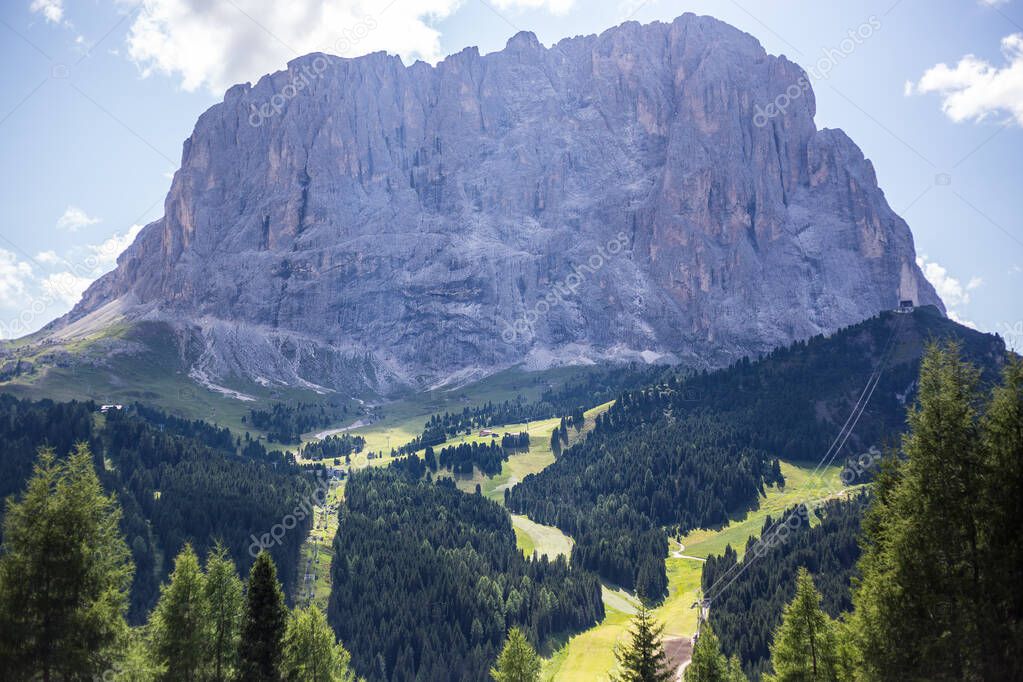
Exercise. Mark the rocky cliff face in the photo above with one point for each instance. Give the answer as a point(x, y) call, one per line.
point(612, 196)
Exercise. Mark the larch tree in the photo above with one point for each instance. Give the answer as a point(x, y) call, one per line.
point(224, 602)
point(708, 664)
point(804, 647)
point(179, 627)
point(312, 652)
point(65, 574)
point(518, 660)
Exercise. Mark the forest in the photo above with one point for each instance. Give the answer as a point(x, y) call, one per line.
point(935, 591)
point(337, 446)
point(286, 422)
point(750, 594)
point(177, 481)
point(687, 452)
point(428, 579)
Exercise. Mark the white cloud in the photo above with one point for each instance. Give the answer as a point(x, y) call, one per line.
point(65, 287)
point(52, 10)
point(975, 89)
point(552, 6)
point(74, 219)
point(955, 317)
point(104, 255)
point(48, 257)
point(217, 44)
point(15, 275)
point(951, 289)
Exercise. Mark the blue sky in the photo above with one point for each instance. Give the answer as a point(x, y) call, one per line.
point(98, 96)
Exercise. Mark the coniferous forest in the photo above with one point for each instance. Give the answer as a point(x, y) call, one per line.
point(177, 481)
point(427, 581)
point(693, 449)
point(749, 609)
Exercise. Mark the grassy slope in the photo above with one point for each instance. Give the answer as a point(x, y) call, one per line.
point(314, 573)
point(589, 656)
point(396, 423)
point(530, 536)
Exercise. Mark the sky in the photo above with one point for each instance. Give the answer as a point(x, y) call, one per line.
point(97, 97)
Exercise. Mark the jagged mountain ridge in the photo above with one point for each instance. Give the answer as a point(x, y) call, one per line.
point(357, 221)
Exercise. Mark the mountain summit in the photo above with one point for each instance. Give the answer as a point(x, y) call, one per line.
point(353, 222)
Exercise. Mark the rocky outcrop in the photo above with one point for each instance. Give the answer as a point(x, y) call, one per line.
point(612, 196)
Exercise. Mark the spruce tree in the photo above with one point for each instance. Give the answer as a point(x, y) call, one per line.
point(919, 607)
point(644, 660)
point(311, 651)
point(708, 663)
point(65, 574)
point(263, 624)
point(224, 601)
point(179, 627)
point(1001, 511)
point(804, 647)
point(518, 661)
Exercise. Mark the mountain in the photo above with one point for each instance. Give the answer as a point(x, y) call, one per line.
point(353, 223)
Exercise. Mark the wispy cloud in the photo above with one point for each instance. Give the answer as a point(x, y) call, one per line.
point(74, 219)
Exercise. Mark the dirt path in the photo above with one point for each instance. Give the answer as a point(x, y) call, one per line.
point(680, 653)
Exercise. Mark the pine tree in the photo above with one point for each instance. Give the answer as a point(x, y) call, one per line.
point(919, 607)
point(708, 663)
point(179, 626)
point(65, 574)
point(224, 601)
point(263, 624)
point(518, 661)
point(804, 647)
point(644, 660)
point(311, 651)
point(556, 442)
